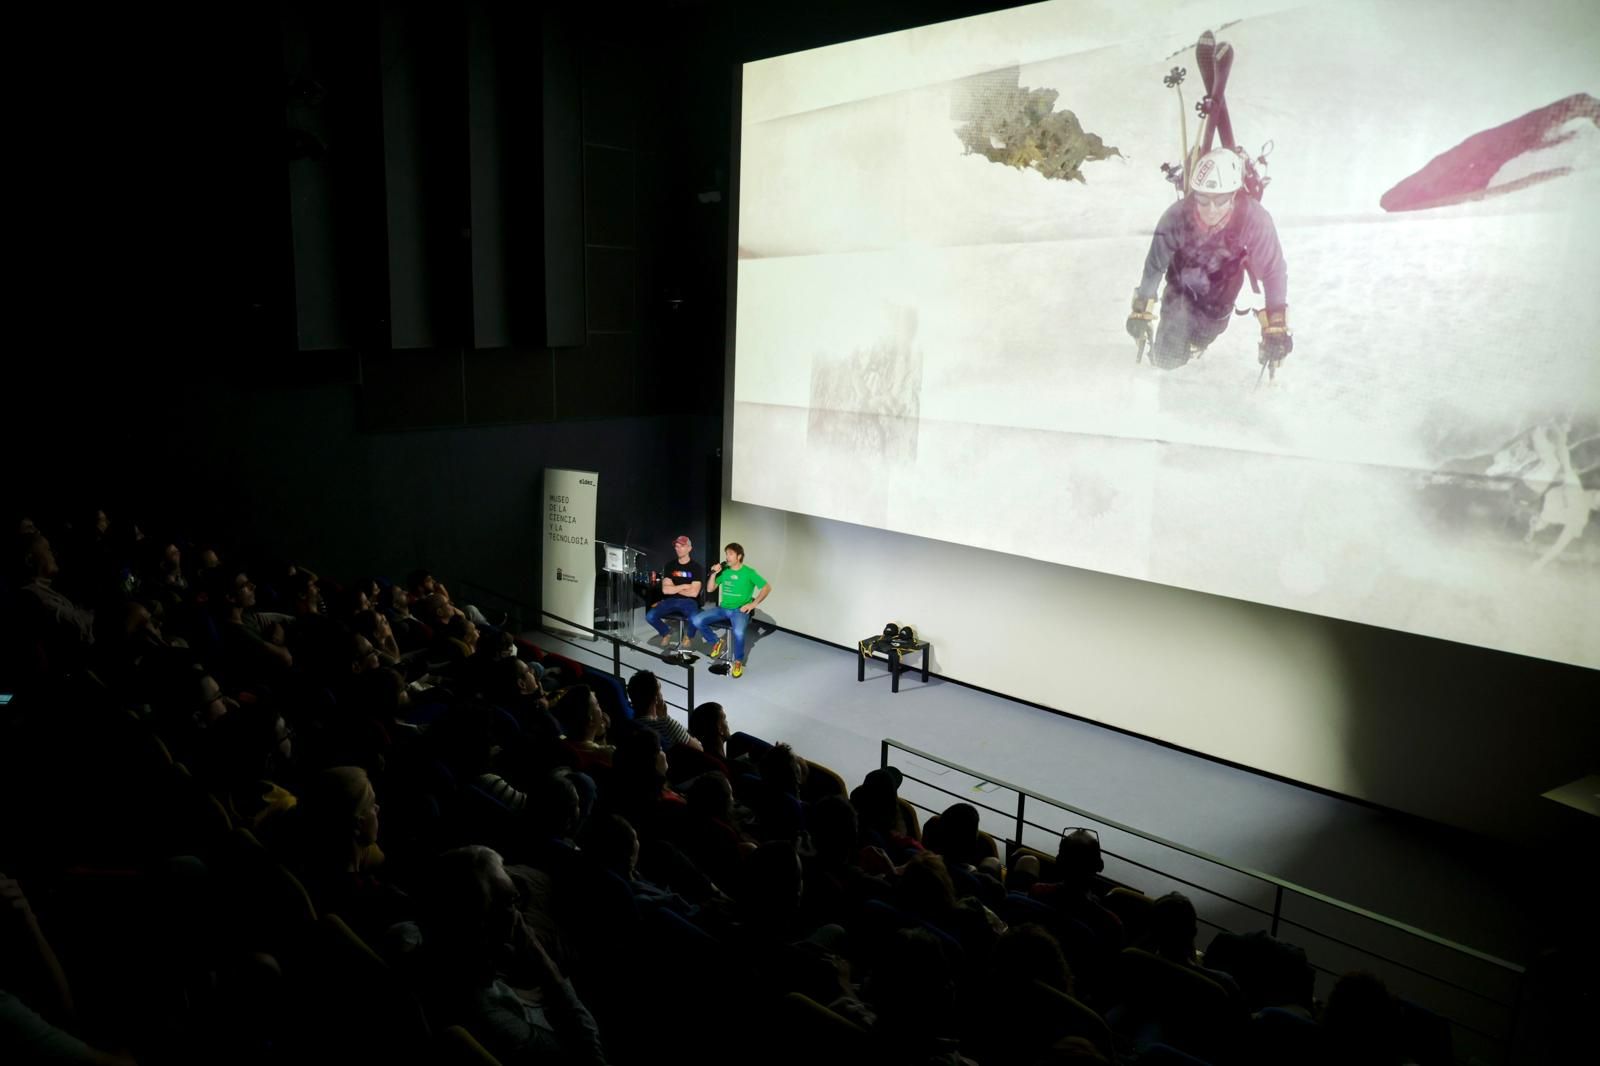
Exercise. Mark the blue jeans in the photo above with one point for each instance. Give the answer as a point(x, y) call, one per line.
point(737, 621)
point(666, 608)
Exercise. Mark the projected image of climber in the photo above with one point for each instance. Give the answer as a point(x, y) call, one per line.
point(1204, 245)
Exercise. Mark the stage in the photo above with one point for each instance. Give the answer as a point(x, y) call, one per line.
point(1436, 878)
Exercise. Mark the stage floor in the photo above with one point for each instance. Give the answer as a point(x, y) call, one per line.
point(1433, 877)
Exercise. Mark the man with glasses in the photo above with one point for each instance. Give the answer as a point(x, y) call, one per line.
point(1204, 244)
point(248, 657)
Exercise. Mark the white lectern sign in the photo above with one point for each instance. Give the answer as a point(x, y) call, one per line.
point(569, 509)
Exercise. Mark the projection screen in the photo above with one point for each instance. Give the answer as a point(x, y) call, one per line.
point(940, 234)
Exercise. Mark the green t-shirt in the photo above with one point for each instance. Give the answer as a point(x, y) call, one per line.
point(735, 588)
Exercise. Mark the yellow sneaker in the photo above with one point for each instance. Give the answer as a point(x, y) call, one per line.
point(716, 649)
point(738, 669)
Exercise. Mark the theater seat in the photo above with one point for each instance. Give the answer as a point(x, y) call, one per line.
point(272, 910)
point(821, 782)
point(455, 1046)
point(1037, 1016)
point(807, 1033)
point(612, 696)
point(1159, 1001)
point(343, 980)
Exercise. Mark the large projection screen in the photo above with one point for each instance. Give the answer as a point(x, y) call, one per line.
point(940, 232)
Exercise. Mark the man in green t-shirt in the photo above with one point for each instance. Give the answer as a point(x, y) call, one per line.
point(739, 591)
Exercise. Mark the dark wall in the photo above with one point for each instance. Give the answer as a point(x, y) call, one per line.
point(288, 471)
point(341, 279)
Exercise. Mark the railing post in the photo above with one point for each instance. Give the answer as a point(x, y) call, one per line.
point(1277, 909)
point(1022, 801)
point(883, 753)
point(616, 657)
point(689, 688)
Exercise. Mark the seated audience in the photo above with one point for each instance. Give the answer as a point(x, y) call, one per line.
point(708, 723)
point(710, 834)
point(836, 887)
point(249, 659)
point(486, 971)
point(774, 796)
point(62, 627)
point(650, 711)
point(913, 992)
point(373, 625)
point(633, 850)
point(1075, 894)
point(1173, 927)
point(883, 825)
point(331, 845)
point(926, 892)
point(410, 632)
point(584, 726)
point(954, 835)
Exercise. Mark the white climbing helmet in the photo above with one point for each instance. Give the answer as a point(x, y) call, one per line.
point(1218, 171)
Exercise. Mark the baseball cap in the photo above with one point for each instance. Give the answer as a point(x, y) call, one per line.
point(680, 540)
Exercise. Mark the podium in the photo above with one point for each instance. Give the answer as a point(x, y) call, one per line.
point(619, 567)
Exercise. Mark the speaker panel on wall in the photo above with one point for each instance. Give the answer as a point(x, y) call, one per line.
point(332, 140)
point(425, 166)
point(563, 182)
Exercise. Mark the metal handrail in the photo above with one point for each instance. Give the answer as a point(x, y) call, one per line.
point(1280, 886)
point(617, 644)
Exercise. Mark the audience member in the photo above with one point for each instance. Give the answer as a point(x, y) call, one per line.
point(332, 844)
point(488, 972)
point(410, 632)
point(1074, 894)
point(913, 991)
point(708, 723)
point(1173, 927)
point(954, 834)
point(650, 711)
point(62, 627)
point(249, 659)
point(585, 727)
point(374, 626)
point(1361, 1021)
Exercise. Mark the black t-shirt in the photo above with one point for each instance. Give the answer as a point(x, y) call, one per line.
point(684, 574)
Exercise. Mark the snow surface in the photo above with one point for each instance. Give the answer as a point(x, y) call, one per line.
point(1419, 337)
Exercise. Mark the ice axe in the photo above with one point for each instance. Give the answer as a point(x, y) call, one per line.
point(1269, 367)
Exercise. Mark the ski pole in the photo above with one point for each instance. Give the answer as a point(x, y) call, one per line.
point(1174, 81)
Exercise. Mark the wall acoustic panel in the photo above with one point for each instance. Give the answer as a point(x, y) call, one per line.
point(426, 170)
point(563, 184)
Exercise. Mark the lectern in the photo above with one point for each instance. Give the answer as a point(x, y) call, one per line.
point(619, 563)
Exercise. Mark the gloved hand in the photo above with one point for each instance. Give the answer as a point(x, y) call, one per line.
point(1139, 322)
point(1276, 340)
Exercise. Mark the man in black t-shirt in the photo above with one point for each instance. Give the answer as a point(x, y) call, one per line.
point(680, 587)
